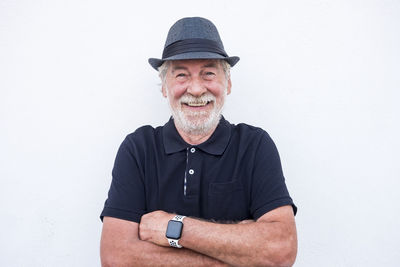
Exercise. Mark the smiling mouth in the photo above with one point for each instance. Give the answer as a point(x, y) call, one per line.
point(197, 104)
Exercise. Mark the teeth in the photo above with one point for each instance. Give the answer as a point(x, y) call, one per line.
point(197, 104)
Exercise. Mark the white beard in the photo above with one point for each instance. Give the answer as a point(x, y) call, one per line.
point(197, 122)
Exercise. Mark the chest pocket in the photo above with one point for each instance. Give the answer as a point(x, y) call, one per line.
point(227, 201)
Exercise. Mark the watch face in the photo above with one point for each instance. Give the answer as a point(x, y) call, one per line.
point(174, 230)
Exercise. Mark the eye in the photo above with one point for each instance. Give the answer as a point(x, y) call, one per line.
point(208, 75)
point(181, 76)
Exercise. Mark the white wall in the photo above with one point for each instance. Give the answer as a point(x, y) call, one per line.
point(322, 77)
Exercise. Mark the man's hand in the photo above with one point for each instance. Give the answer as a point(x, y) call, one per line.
point(153, 226)
point(120, 246)
point(269, 241)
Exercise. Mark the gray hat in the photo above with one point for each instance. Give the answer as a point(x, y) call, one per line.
point(193, 38)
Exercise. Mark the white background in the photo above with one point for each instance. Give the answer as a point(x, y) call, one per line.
point(322, 77)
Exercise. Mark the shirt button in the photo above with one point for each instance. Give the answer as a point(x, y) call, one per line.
point(193, 150)
point(191, 171)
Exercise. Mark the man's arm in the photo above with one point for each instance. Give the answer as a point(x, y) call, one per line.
point(270, 241)
point(120, 246)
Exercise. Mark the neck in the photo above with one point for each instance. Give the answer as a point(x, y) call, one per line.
point(194, 139)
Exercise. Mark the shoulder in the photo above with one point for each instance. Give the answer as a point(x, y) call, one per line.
point(143, 137)
point(247, 128)
point(249, 132)
point(143, 133)
point(254, 140)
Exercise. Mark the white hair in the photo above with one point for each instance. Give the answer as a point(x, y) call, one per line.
point(198, 126)
point(162, 71)
point(210, 119)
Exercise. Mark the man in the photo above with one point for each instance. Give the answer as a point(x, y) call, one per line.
point(197, 191)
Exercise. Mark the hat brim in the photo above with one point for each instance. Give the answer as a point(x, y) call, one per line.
point(156, 63)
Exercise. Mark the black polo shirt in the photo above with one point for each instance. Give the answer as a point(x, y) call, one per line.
point(235, 175)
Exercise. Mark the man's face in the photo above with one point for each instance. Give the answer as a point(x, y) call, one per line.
point(196, 91)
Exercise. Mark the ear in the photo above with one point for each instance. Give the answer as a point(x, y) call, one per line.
point(164, 90)
point(229, 86)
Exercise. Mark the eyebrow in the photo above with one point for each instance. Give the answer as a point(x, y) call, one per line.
point(178, 68)
point(208, 65)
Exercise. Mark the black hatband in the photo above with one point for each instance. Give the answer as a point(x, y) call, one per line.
point(193, 45)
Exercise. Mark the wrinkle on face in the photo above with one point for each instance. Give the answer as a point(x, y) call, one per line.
point(196, 90)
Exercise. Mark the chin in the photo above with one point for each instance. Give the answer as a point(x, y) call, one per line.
point(199, 126)
point(198, 122)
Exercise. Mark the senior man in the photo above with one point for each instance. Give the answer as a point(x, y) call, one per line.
point(197, 191)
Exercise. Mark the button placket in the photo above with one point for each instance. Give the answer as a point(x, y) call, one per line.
point(192, 172)
point(192, 150)
point(185, 177)
point(193, 180)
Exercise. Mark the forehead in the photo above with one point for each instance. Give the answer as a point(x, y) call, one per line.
point(195, 64)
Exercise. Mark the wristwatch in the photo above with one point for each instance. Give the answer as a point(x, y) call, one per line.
point(174, 231)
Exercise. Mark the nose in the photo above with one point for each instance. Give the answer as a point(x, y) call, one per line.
point(196, 87)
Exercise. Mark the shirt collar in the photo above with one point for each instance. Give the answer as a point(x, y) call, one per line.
point(214, 145)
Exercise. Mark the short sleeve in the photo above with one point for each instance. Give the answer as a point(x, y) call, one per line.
point(126, 197)
point(268, 185)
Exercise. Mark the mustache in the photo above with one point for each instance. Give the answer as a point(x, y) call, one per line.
point(188, 98)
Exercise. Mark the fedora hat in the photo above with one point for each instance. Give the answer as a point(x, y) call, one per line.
point(193, 38)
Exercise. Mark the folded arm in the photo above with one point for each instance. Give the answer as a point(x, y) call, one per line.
point(270, 241)
point(120, 246)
